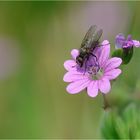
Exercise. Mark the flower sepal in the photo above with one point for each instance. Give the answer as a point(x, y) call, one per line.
point(124, 53)
point(117, 53)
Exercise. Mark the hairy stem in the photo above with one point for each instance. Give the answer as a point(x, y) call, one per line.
point(106, 105)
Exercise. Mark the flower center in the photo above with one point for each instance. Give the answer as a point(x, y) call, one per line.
point(98, 75)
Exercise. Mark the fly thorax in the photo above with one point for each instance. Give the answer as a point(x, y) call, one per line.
point(83, 50)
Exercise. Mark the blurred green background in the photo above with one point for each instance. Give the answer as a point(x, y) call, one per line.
point(35, 40)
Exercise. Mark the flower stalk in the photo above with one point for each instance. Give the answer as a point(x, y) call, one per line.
point(106, 104)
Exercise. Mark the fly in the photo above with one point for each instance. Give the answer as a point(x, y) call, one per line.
point(89, 43)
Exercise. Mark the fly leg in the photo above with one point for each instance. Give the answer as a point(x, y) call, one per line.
point(103, 44)
point(94, 56)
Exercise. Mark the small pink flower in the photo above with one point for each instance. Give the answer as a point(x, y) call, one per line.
point(93, 82)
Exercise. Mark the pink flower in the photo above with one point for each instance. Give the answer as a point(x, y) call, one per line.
point(93, 82)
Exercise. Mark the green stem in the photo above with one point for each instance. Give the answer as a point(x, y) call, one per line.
point(105, 102)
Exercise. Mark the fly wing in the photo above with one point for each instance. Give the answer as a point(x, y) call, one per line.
point(97, 35)
point(89, 35)
point(95, 39)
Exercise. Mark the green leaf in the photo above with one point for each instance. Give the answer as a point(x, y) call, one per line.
point(108, 130)
point(118, 124)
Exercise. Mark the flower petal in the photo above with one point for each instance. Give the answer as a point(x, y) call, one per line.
point(74, 53)
point(119, 41)
point(73, 76)
point(92, 89)
point(104, 53)
point(112, 74)
point(70, 65)
point(136, 43)
point(77, 86)
point(97, 51)
point(105, 42)
point(112, 63)
point(104, 85)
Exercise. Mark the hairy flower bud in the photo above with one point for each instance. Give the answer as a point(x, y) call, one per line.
point(124, 47)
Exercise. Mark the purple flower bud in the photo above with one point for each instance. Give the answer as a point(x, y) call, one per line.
point(121, 42)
